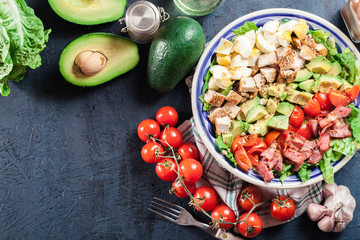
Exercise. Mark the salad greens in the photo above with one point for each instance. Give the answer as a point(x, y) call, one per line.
point(22, 38)
point(248, 26)
point(222, 146)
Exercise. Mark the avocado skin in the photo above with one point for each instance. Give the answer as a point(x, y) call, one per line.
point(174, 51)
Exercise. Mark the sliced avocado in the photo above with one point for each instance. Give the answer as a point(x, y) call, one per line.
point(260, 127)
point(303, 75)
point(80, 60)
point(329, 82)
point(246, 106)
point(316, 76)
point(300, 98)
point(237, 127)
point(228, 138)
point(279, 122)
point(346, 85)
point(291, 86)
point(271, 106)
point(89, 12)
point(315, 87)
point(335, 69)
point(255, 113)
point(319, 65)
point(306, 85)
point(276, 89)
point(285, 108)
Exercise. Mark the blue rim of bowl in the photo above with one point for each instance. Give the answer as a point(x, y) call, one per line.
point(200, 117)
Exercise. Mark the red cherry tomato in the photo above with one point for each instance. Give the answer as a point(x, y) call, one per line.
point(245, 141)
point(271, 136)
point(167, 116)
point(179, 189)
point(206, 197)
point(282, 208)
point(165, 169)
point(353, 92)
point(305, 131)
point(247, 193)
point(253, 225)
point(297, 117)
point(150, 152)
point(172, 136)
point(292, 128)
point(255, 150)
point(242, 159)
point(338, 98)
point(188, 150)
point(191, 170)
point(324, 101)
point(223, 213)
point(312, 108)
point(147, 128)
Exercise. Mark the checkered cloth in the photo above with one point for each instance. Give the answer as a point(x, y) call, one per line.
point(228, 186)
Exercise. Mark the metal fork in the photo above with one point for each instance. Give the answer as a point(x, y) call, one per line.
point(179, 215)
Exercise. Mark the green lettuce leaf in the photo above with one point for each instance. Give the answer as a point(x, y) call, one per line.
point(207, 77)
point(26, 32)
point(322, 37)
point(357, 73)
point(354, 122)
point(304, 172)
point(327, 169)
point(347, 61)
point(286, 172)
point(248, 26)
point(4, 43)
point(222, 146)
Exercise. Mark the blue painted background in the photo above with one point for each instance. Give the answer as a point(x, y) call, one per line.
point(70, 165)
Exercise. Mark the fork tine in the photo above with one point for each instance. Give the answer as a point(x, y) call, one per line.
point(169, 213)
point(169, 208)
point(171, 204)
point(162, 215)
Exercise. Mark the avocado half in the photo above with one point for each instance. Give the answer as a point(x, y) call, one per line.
point(121, 53)
point(89, 12)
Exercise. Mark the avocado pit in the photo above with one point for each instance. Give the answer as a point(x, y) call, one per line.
point(90, 62)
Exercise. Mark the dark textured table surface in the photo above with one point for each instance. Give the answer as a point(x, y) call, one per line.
point(70, 165)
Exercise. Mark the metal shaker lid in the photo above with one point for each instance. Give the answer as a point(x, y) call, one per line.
point(142, 17)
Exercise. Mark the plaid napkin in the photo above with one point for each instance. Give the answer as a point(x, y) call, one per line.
point(228, 186)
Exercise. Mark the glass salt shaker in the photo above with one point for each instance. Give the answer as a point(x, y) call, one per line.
point(142, 20)
point(350, 13)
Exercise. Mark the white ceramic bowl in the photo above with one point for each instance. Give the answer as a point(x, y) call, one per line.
point(204, 126)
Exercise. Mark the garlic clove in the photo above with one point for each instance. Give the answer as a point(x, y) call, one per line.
point(343, 194)
point(326, 224)
point(90, 62)
point(339, 226)
point(329, 189)
point(330, 204)
point(316, 211)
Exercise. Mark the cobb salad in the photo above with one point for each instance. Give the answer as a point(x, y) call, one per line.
point(280, 99)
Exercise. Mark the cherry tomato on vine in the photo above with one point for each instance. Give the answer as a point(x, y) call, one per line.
point(147, 128)
point(305, 131)
point(271, 136)
point(188, 150)
point(191, 169)
point(223, 212)
point(353, 92)
point(242, 159)
point(297, 117)
point(312, 108)
point(249, 196)
point(324, 100)
point(282, 208)
point(172, 136)
point(167, 116)
point(151, 151)
point(252, 227)
point(179, 189)
point(338, 98)
point(165, 169)
point(206, 197)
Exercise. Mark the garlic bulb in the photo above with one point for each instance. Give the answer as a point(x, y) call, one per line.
point(337, 210)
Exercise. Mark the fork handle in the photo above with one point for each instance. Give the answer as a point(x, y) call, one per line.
point(206, 228)
point(222, 235)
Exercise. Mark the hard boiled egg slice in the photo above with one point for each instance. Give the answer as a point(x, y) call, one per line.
point(283, 38)
point(271, 27)
point(287, 27)
point(254, 56)
point(238, 61)
point(212, 84)
point(271, 38)
point(263, 45)
point(241, 72)
point(224, 47)
point(221, 76)
point(243, 46)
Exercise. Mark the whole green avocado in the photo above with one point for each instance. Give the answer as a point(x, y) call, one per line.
point(174, 51)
